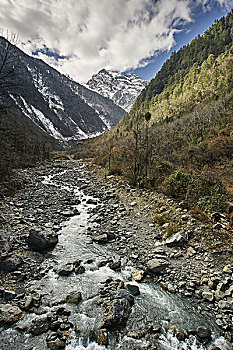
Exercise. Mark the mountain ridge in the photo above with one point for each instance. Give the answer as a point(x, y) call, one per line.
point(64, 109)
point(122, 88)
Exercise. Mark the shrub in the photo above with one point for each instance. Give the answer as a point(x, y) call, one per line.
point(205, 190)
point(171, 230)
point(198, 214)
point(160, 219)
point(176, 184)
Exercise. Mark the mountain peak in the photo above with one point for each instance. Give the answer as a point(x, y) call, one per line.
point(122, 88)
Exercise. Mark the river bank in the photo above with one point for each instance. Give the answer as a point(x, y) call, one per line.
point(133, 232)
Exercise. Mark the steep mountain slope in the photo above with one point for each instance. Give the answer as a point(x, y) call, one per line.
point(61, 107)
point(122, 88)
point(170, 79)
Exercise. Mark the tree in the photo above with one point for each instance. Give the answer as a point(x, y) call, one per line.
point(147, 119)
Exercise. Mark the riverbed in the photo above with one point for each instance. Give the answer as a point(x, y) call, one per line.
point(88, 295)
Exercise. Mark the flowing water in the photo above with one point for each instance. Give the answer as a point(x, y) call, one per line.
point(153, 305)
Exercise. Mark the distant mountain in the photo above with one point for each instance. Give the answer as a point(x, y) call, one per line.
point(122, 88)
point(58, 106)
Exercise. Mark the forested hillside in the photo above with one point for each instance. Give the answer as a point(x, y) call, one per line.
point(18, 148)
point(178, 136)
point(172, 75)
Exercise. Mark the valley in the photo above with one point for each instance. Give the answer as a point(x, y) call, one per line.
point(116, 196)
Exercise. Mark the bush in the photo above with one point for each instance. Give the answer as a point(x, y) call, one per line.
point(198, 214)
point(206, 191)
point(176, 184)
point(161, 219)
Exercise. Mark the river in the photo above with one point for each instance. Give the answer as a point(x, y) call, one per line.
point(153, 309)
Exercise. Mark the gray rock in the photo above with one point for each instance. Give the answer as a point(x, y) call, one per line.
point(67, 213)
point(42, 240)
point(157, 265)
point(39, 326)
point(28, 303)
point(10, 264)
point(176, 240)
point(66, 269)
point(208, 295)
point(10, 314)
point(229, 207)
point(101, 238)
point(74, 297)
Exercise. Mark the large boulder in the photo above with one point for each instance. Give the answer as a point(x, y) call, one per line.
point(10, 314)
point(10, 264)
point(42, 240)
point(117, 314)
point(157, 265)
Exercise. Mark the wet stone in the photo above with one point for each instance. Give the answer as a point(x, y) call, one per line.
point(138, 275)
point(203, 334)
point(39, 326)
point(66, 269)
point(134, 290)
point(115, 265)
point(54, 343)
point(117, 314)
point(63, 311)
point(79, 270)
point(8, 294)
point(74, 297)
point(101, 238)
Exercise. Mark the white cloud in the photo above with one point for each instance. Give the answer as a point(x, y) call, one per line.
point(95, 34)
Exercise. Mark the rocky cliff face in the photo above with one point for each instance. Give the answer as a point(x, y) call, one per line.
point(58, 106)
point(122, 88)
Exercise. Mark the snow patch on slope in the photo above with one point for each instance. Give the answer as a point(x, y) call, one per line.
point(121, 88)
point(53, 100)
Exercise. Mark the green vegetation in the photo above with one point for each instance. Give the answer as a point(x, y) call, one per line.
point(178, 137)
point(172, 76)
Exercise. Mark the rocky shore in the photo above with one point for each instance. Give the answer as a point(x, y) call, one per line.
point(147, 230)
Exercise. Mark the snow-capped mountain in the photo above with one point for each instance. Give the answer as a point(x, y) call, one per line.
point(121, 88)
point(55, 104)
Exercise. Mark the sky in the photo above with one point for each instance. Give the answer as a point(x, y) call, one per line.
point(81, 37)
